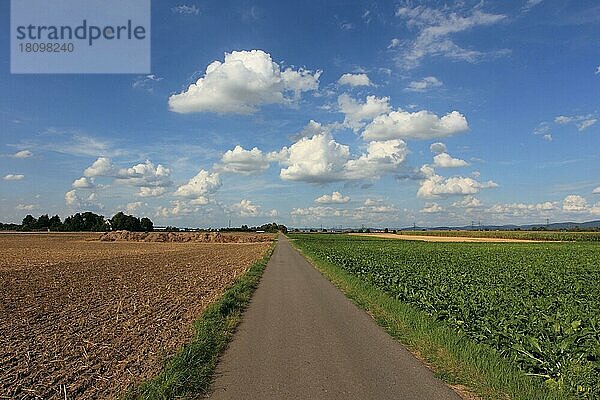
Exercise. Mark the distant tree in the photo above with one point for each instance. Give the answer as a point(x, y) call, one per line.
point(56, 223)
point(146, 224)
point(94, 222)
point(29, 223)
point(43, 222)
point(124, 222)
point(270, 228)
point(86, 222)
point(74, 223)
point(10, 227)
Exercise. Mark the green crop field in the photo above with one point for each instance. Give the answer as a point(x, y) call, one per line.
point(537, 304)
point(527, 235)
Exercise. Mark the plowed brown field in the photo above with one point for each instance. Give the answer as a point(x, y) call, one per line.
point(84, 319)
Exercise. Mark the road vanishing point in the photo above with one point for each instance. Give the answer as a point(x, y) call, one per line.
point(301, 338)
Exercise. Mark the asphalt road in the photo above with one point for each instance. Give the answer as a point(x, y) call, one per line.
point(301, 338)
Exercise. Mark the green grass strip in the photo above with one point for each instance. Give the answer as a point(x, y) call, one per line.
point(189, 372)
point(475, 370)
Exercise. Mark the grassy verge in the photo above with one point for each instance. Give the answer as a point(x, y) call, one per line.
point(474, 370)
point(188, 373)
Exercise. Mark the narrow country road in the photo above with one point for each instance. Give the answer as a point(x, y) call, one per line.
point(301, 338)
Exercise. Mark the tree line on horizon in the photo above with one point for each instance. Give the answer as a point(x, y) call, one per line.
point(82, 222)
point(91, 222)
point(268, 228)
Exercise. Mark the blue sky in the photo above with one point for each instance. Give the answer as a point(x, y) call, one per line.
point(321, 113)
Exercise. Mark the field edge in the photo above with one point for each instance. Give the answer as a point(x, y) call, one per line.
point(188, 373)
point(474, 371)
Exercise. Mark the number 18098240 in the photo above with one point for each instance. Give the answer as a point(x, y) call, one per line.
point(46, 47)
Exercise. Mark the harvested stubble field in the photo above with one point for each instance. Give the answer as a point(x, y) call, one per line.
point(82, 318)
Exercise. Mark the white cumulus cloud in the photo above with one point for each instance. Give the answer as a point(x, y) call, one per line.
point(586, 123)
point(103, 166)
point(433, 185)
point(574, 203)
point(145, 175)
point(355, 80)
point(242, 161)
point(319, 212)
point(14, 177)
point(316, 160)
point(178, 208)
point(243, 82)
point(424, 84)
point(23, 154)
point(334, 198)
point(523, 209)
point(200, 187)
point(372, 211)
point(356, 113)
point(245, 208)
point(562, 119)
point(311, 129)
point(468, 202)
point(90, 202)
point(438, 148)
point(151, 191)
point(321, 159)
point(134, 206)
point(27, 207)
point(445, 160)
point(419, 125)
point(83, 183)
point(432, 208)
point(381, 157)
